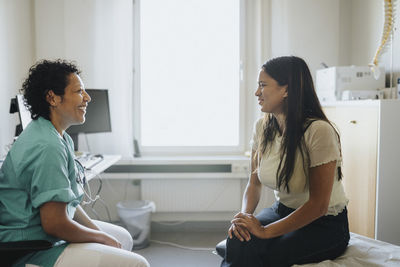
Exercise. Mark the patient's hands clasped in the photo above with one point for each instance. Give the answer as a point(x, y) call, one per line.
point(243, 224)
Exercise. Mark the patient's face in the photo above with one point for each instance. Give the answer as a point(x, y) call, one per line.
point(270, 94)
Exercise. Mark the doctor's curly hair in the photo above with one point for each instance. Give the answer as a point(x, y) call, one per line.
point(44, 76)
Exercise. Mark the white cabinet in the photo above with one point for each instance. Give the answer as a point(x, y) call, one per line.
point(369, 133)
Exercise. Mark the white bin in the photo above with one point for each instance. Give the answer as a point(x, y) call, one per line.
point(136, 216)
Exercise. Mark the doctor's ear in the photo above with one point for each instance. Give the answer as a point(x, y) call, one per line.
point(51, 98)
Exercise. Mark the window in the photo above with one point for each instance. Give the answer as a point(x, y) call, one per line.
point(187, 83)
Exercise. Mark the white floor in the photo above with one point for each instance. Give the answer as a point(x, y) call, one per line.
point(162, 255)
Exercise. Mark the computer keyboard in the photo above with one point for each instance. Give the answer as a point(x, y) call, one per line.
point(89, 161)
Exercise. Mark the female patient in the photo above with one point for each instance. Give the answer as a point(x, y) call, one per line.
point(39, 190)
point(296, 152)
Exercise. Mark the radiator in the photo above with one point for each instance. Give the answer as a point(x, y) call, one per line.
point(193, 195)
point(187, 185)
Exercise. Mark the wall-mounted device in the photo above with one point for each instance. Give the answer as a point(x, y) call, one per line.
point(332, 82)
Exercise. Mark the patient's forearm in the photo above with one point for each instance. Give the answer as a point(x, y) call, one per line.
point(251, 197)
point(299, 218)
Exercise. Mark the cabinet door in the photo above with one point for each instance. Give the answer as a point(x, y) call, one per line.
point(358, 128)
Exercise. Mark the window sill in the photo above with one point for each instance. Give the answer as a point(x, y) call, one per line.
point(189, 167)
point(167, 160)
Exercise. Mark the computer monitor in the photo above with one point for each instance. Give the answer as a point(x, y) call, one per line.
point(18, 105)
point(24, 113)
point(97, 116)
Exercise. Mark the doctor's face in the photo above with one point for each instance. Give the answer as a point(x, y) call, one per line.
point(71, 109)
point(271, 95)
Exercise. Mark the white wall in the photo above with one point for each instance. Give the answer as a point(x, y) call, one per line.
point(16, 54)
point(366, 31)
point(309, 29)
point(366, 26)
point(337, 32)
point(97, 35)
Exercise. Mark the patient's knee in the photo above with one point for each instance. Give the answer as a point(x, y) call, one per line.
point(234, 245)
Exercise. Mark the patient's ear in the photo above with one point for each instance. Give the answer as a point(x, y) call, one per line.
point(285, 94)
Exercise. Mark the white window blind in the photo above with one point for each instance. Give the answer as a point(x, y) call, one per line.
point(189, 73)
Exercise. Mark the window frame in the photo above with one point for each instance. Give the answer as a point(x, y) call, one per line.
point(187, 150)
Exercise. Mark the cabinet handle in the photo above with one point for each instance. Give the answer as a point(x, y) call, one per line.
point(353, 122)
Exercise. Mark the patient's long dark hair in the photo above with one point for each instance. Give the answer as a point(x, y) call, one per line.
point(301, 108)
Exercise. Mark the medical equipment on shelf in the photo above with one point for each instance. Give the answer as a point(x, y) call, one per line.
point(358, 80)
point(362, 94)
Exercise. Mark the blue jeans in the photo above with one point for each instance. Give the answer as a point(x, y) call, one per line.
point(323, 239)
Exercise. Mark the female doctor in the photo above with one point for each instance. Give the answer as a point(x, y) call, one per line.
point(39, 189)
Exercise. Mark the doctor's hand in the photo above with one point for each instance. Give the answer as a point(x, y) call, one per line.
point(110, 241)
point(250, 223)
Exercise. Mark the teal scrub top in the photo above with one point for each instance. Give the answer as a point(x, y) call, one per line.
point(39, 168)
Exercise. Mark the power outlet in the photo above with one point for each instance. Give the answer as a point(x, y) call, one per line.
point(240, 168)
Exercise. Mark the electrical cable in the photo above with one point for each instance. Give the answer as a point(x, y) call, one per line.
point(170, 223)
point(111, 187)
point(100, 185)
point(95, 213)
point(87, 143)
point(98, 177)
point(107, 209)
point(181, 246)
point(126, 189)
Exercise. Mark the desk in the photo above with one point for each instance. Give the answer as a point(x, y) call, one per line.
point(108, 160)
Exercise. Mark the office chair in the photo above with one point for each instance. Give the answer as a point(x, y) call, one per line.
point(11, 251)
